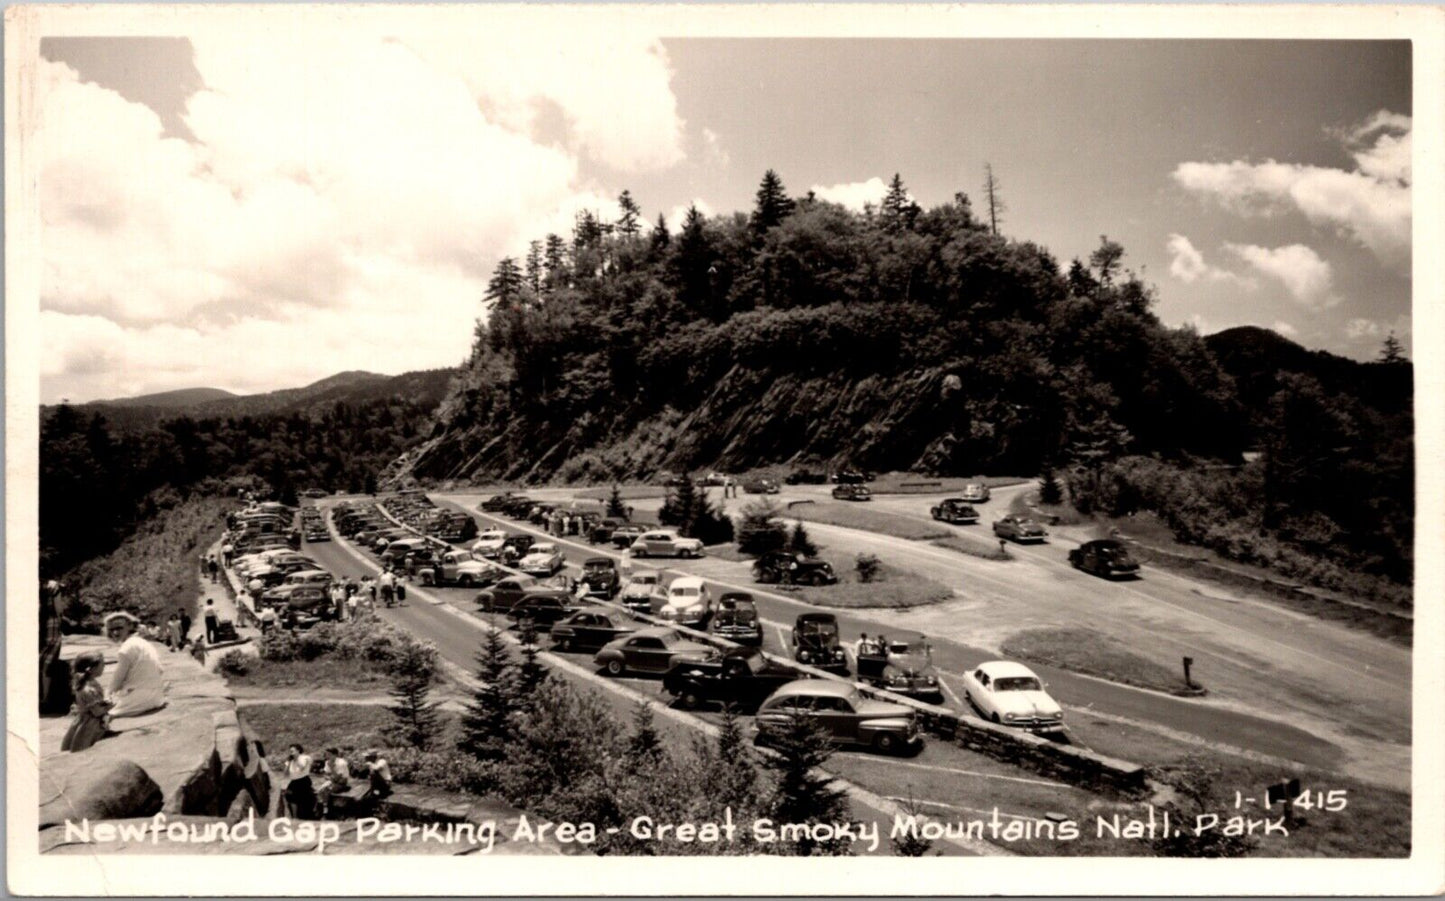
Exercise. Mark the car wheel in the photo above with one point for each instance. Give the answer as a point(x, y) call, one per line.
point(614, 667)
point(567, 644)
point(690, 701)
point(885, 743)
point(995, 719)
point(468, 581)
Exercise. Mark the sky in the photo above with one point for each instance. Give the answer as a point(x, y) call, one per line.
point(254, 216)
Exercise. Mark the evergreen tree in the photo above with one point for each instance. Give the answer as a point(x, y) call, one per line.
point(1051, 492)
point(1392, 351)
point(898, 210)
point(615, 508)
point(660, 238)
point(760, 530)
point(1105, 260)
point(554, 260)
point(489, 723)
point(631, 222)
point(991, 197)
point(804, 794)
point(534, 267)
point(736, 783)
point(412, 671)
point(680, 506)
point(644, 745)
point(695, 268)
point(531, 674)
point(799, 542)
point(506, 282)
point(773, 203)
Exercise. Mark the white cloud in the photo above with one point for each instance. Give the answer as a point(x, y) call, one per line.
point(713, 151)
point(1187, 264)
point(1284, 328)
point(1365, 331)
point(1308, 278)
point(853, 195)
point(1371, 203)
point(340, 194)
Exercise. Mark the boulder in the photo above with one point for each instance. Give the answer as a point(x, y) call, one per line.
point(110, 789)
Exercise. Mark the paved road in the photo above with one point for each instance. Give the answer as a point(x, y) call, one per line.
point(1211, 723)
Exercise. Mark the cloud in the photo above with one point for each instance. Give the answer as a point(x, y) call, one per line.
point(714, 154)
point(355, 192)
point(1187, 264)
point(1284, 328)
point(1308, 278)
point(678, 214)
point(853, 195)
point(1371, 204)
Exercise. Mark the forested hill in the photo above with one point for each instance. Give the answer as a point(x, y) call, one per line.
point(894, 338)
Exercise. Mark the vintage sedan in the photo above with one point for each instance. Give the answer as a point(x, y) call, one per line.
point(852, 492)
point(496, 503)
point(665, 543)
point(1011, 694)
point(688, 602)
point(736, 619)
point(541, 610)
point(543, 560)
point(510, 592)
point(623, 536)
point(642, 593)
point(600, 576)
point(738, 676)
point(489, 544)
point(277, 595)
point(652, 650)
point(844, 714)
point(589, 630)
point(1019, 528)
point(791, 568)
point(850, 477)
point(904, 668)
point(1104, 557)
point(760, 485)
point(955, 510)
point(815, 642)
point(975, 493)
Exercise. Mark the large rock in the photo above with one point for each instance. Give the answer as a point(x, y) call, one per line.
point(109, 789)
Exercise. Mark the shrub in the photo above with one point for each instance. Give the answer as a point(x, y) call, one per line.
point(800, 542)
point(235, 663)
point(760, 530)
point(446, 770)
point(279, 645)
point(868, 566)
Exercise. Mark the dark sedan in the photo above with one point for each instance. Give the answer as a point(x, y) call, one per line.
point(1019, 528)
point(590, 630)
point(739, 676)
point(542, 610)
point(1105, 557)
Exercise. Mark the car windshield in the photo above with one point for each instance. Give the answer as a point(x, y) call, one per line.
point(644, 580)
point(817, 629)
point(1017, 683)
point(598, 568)
point(685, 592)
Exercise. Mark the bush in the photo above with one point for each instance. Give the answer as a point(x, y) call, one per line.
point(868, 566)
point(279, 645)
point(760, 530)
point(800, 542)
point(446, 770)
point(235, 663)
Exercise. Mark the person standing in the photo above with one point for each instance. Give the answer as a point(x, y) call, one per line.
point(299, 795)
point(268, 619)
point(213, 621)
point(185, 621)
point(173, 633)
point(214, 568)
point(91, 707)
point(226, 552)
point(137, 686)
point(52, 687)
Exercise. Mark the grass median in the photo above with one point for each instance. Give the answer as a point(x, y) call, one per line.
point(891, 588)
point(859, 515)
point(1093, 654)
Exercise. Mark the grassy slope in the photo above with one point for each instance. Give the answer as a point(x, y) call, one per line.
point(1092, 653)
point(859, 515)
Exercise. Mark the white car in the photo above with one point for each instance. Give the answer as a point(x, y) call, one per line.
point(489, 544)
point(689, 603)
point(665, 543)
point(542, 560)
point(1012, 695)
point(639, 591)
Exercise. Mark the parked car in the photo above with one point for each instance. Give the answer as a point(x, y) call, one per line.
point(623, 536)
point(739, 676)
point(277, 595)
point(851, 477)
point(815, 642)
point(489, 544)
point(736, 619)
point(1105, 557)
point(458, 568)
point(600, 531)
point(307, 606)
point(844, 713)
point(515, 547)
point(1012, 695)
point(517, 506)
point(496, 503)
point(543, 560)
point(1019, 528)
point(791, 568)
point(760, 485)
point(313, 492)
point(955, 510)
point(600, 576)
point(688, 602)
point(642, 593)
point(542, 610)
point(852, 492)
point(902, 668)
point(713, 480)
point(589, 630)
point(975, 493)
point(665, 543)
point(653, 650)
point(509, 592)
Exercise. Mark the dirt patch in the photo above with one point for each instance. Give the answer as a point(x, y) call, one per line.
point(1093, 654)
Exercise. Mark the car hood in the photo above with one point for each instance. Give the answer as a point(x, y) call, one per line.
point(910, 665)
point(1027, 703)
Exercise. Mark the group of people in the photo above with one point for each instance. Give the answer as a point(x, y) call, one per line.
point(136, 687)
point(311, 791)
point(878, 646)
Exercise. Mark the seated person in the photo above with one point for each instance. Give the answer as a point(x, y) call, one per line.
point(378, 778)
point(336, 779)
point(137, 686)
point(299, 794)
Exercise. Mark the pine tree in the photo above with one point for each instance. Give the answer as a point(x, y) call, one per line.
point(803, 793)
point(506, 281)
point(531, 675)
point(489, 723)
point(1050, 490)
point(773, 203)
point(412, 671)
point(896, 203)
point(695, 262)
point(534, 266)
point(991, 196)
point(799, 542)
point(680, 505)
point(631, 222)
point(554, 260)
point(615, 508)
point(1392, 351)
point(760, 530)
point(660, 237)
point(644, 745)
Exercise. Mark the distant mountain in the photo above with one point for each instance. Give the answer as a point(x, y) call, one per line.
point(1254, 357)
point(425, 388)
point(182, 397)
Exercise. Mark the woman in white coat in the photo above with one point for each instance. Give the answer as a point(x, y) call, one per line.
point(137, 685)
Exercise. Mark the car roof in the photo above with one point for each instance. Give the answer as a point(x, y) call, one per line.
point(591, 560)
point(686, 582)
point(1006, 669)
point(817, 618)
point(815, 688)
point(1104, 542)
